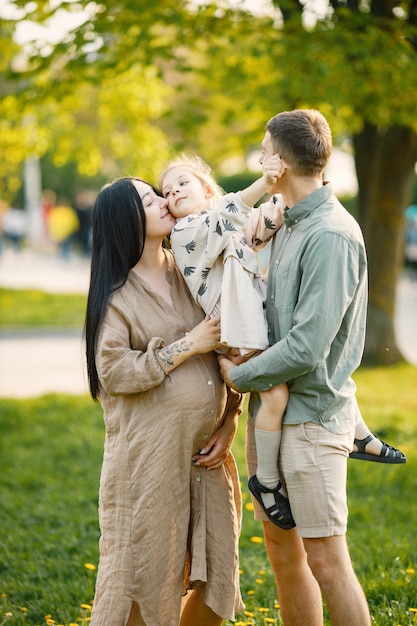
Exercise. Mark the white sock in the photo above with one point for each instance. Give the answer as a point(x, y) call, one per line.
point(267, 446)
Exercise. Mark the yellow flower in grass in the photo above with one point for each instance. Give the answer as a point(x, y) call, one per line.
point(276, 605)
point(249, 506)
point(259, 581)
point(269, 620)
point(4, 596)
point(248, 613)
point(88, 607)
point(23, 609)
point(262, 572)
point(256, 539)
point(250, 592)
point(90, 566)
point(410, 570)
point(413, 610)
point(263, 610)
point(241, 572)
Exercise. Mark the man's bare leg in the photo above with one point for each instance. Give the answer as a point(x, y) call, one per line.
point(298, 591)
point(330, 562)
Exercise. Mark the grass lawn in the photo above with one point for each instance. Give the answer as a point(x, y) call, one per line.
point(32, 308)
point(50, 457)
point(382, 511)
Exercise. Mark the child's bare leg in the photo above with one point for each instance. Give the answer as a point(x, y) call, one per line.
point(271, 411)
point(374, 446)
point(362, 431)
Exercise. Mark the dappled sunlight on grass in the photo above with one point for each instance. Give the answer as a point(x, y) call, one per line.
point(50, 459)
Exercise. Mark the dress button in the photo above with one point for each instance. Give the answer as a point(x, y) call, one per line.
point(209, 382)
point(197, 508)
point(289, 229)
point(198, 479)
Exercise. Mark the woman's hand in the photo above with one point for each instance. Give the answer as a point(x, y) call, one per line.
point(217, 448)
point(202, 338)
point(215, 452)
point(205, 336)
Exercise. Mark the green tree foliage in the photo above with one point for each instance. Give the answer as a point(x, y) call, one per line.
point(65, 102)
point(357, 63)
point(362, 59)
point(108, 128)
point(136, 80)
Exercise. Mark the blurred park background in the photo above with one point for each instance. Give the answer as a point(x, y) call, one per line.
point(90, 91)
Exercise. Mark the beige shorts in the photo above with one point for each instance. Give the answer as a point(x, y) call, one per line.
point(313, 466)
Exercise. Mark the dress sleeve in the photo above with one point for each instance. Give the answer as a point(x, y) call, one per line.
point(121, 369)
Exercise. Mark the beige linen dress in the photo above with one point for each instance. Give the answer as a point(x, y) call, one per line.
point(166, 525)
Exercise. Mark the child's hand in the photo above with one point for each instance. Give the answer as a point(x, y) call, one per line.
point(272, 169)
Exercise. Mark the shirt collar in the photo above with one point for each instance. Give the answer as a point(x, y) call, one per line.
point(303, 208)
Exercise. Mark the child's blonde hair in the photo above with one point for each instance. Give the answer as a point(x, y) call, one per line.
point(198, 167)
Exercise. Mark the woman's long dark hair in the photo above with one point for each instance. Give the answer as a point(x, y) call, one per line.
point(119, 231)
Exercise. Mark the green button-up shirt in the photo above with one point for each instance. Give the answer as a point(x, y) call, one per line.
point(316, 312)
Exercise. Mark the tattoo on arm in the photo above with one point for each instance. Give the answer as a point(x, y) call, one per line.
point(167, 355)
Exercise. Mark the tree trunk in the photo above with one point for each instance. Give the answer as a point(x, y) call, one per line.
point(385, 161)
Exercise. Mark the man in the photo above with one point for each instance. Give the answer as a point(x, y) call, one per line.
point(316, 311)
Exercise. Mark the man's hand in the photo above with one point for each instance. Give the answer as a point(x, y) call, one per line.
point(233, 354)
point(225, 366)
